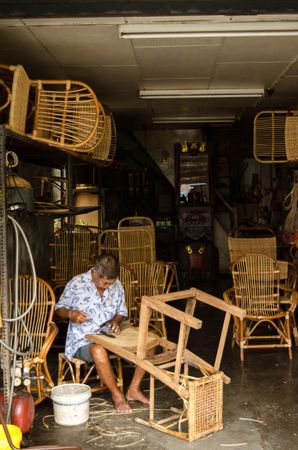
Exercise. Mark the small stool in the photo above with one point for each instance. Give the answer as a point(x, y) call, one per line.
point(70, 371)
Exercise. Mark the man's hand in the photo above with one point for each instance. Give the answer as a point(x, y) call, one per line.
point(114, 324)
point(77, 316)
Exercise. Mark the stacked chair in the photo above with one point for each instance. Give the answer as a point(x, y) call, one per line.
point(265, 287)
point(60, 113)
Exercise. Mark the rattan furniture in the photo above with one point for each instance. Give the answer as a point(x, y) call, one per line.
point(66, 113)
point(256, 288)
point(152, 279)
point(36, 331)
point(129, 245)
point(71, 253)
point(202, 396)
point(105, 150)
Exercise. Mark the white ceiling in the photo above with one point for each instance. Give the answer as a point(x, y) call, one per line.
point(92, 51)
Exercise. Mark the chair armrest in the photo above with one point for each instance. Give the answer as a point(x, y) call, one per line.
point(229, 296)
point(52, 333)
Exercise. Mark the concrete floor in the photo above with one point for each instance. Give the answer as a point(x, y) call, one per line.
point(260, 404)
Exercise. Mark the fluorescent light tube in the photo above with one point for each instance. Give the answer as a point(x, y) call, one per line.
point(194, 119)
point(200, 93)
point(202, 28)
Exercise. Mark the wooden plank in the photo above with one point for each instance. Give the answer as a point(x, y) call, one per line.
point(222, 341)
point(219, 304)
point(170, 311)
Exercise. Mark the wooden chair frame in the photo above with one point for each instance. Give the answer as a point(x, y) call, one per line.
point(256, 279)
point(171, 366)
point(40, 325)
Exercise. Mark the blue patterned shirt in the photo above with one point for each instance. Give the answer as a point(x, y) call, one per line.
point(81, 294)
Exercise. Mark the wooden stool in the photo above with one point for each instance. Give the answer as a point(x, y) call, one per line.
point(79, 371)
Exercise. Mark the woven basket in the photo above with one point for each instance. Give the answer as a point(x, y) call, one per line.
point(291, 138)
point(240, 245)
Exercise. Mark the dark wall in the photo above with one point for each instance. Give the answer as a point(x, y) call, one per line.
point(108, 8)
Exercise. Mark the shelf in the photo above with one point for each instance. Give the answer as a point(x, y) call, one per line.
point(63, 212)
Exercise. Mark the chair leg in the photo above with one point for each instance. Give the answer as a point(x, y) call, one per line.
point(241, 340)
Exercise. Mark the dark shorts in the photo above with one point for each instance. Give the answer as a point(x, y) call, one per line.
point(84, 353)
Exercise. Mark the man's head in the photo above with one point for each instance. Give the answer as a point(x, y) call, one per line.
point(107, 269)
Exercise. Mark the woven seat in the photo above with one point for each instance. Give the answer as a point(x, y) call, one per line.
point(41, 330)
point(256, 288)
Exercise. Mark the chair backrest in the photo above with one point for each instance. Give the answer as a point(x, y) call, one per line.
point(256, 279)
point(38, 318)
point(140, 222)
point(71, 252)
point(129, 245)
point(269, 144)
point(242, 240)
point(151, 278)
point(19, 98)
point(129, 283)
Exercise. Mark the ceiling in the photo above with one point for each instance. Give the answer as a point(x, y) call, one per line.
point(91, 50)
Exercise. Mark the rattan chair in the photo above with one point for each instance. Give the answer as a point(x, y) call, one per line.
point(269, 145)
point(40, 326)
point(256, 289)
point(129, 245)
point(152, 279)
point(67, 114)
point(71, 253)
point(140, 221)
point(105, 150)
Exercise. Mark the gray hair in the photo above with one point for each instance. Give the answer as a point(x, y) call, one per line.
point(107, 266)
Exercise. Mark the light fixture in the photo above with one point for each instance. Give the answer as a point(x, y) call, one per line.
point(195, 119)
point(244, 27)
point(200, 93)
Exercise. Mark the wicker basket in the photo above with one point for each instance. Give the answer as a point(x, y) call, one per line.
point(291, 138)
point(240, 245)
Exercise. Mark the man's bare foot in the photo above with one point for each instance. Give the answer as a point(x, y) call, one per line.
point(121, 405)
point(136, 395)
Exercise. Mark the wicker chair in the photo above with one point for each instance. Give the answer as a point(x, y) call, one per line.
point(71, 253)
point(129, 245)
point(256, 280)
point(242, 240)
point(152, 279)
point(67, 114)
point(140, 221)
point(41, 328)
point(105, 149)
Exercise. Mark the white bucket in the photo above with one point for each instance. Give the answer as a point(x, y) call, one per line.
point(71, 403)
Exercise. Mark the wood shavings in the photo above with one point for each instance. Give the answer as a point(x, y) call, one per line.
point(252, 420)
point(44, 421)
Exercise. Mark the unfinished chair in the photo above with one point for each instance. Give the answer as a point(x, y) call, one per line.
point(202, 396)
point(152, 279)
point(256, 288)
point(71, 253)
point(129, 245)
point(36, 331)
point(66, 113)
